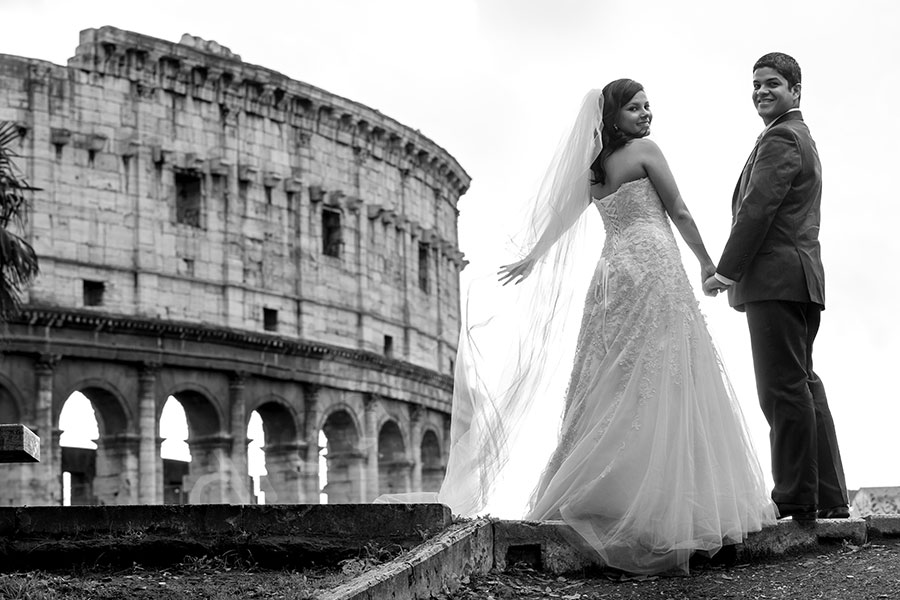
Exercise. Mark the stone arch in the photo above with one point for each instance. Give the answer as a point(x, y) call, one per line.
point(108, 475)
point(211, 470)
point(344, 471)
point(283, 449)
point(432, 460)
point(202, 412)
point(393, 463)
point(114, 418)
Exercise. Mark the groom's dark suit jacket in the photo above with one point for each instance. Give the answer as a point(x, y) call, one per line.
point(773, 251)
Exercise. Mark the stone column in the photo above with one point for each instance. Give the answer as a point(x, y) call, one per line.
point(240, 481)
point(149, 462)
point(44, 479)
point(417, 414)
point(117, 476)
point(369, 491)
point(284, 481)
point(311, 435)
point(209, 477)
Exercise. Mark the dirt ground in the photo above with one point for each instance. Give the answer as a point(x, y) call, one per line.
point(844, 572)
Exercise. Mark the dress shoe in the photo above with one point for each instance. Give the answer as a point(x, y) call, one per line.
point(798, 513)
point(835, 512)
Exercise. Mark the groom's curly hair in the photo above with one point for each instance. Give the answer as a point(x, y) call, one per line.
point(785, 65)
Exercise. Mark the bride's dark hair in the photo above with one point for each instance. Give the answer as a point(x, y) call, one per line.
point(615, 95)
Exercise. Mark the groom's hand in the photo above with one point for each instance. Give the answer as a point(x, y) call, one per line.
point(712, 286)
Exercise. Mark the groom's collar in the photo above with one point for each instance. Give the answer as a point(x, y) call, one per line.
point(781, 117)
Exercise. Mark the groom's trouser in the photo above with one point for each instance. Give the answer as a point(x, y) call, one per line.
point(806, 461)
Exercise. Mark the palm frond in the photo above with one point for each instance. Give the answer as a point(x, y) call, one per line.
point(18, 260)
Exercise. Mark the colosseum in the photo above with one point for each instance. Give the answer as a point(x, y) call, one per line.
point(215, 232)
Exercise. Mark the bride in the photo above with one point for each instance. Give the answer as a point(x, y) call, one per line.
point(653, 460)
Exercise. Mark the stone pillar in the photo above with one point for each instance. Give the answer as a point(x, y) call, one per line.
point(117, 478)
point(149, 462)
point(160, 475)
point(208, 481)
point(417, 414)
point(241, 490)
point(312, 487)
point(284, 481)
point(370, 488)
point(42, 482)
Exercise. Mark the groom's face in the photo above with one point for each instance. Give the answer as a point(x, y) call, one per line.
point(772, 96)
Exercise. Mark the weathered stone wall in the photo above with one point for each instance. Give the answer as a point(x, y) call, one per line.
point(185, 214)
point(107, 137)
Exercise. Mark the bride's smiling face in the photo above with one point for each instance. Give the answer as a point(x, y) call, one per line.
point(635, 116)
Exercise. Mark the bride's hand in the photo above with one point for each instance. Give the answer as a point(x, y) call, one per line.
point(516, 272)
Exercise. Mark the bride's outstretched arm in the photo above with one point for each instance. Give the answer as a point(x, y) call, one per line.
point(658, 170)
point(557, 225)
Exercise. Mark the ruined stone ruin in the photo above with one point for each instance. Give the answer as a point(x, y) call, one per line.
point(213, 231)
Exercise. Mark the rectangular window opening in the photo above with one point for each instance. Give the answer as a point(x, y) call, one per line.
point(389, 346)
point(332, 238)
point(270, 319)
point(423, 266)
point(92, 292)
point(188, 197)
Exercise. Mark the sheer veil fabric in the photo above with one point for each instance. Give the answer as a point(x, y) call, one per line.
point(517, 341)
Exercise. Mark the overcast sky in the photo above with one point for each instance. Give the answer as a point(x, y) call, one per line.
point(497, 82)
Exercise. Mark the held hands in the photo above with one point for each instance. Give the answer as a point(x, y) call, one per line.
point(712, 286)
point(515, 272)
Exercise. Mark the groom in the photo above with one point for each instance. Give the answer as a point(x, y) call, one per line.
point(772, 269)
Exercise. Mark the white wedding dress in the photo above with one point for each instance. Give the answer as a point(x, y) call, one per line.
point(654, 460)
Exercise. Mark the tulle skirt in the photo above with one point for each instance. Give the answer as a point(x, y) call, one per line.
point(654, 461)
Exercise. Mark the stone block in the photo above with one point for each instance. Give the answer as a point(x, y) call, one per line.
point(551, 546)
point(850, 530)
point(783, 537)
point(883, 525)
point(18, 444)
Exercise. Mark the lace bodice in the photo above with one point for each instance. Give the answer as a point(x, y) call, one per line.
point(633, 211)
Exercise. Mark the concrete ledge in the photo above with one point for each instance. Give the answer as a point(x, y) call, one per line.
point(438, 565)
point(18, 444)
point(788, 536)
point(276, 535)
point(883, 525)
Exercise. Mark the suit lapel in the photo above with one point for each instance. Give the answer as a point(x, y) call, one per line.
point(741, 187)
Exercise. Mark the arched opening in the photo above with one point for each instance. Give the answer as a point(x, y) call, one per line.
point(283, 482)
point(256, 456)
point(174, 451)
point(211, 478)
point(105, 472)
point(393, 464)
point(432, 463)
point(77, 439)
point(344, 461)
